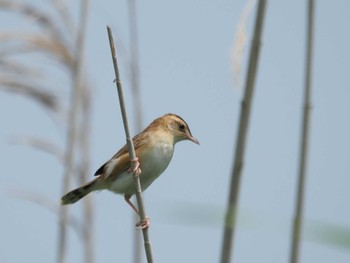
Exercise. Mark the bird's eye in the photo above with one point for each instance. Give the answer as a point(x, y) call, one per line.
point(181, 127)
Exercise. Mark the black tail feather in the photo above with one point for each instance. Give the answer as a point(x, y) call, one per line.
point(79, 193)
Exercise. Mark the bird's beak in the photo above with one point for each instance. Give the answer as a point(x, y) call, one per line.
point(192, 139)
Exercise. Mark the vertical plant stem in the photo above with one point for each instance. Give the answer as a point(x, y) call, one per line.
point(131, 150)
point(71, 134)
point(135, 86)
point(134, 64)
point(68, 168)
point(84, 129)
point(304, 140)
point(231, 212)
point(88, 209)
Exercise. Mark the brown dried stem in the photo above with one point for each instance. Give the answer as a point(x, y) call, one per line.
point(304, 139)
point(231, 212)
point(131, 150)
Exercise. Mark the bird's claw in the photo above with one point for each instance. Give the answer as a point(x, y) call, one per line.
point(135, 167)
point(143, 224)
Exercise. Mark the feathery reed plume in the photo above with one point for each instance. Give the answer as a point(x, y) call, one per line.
point(57, 39)
point(240, 42)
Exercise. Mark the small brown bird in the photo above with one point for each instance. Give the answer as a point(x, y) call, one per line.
point(154, 148)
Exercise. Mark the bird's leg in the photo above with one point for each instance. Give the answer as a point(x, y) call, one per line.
point(143, 224)
point(127, 199)
point(135, 167)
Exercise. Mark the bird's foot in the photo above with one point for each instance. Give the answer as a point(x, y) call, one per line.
point(144, 224)
point(135, 167)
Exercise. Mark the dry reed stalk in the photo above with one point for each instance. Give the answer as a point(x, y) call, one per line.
point(304, 139)
point(60, 40)
point(71, 142)
point(131, 150)
point(231, 212)
point(137, 102)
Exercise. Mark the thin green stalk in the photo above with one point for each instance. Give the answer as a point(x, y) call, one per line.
point(231, 212)
point(131, 150)
point(304, 141)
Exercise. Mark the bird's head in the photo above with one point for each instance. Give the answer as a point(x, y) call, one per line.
point(178, 128)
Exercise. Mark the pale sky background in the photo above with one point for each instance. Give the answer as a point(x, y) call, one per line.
point(185, 49)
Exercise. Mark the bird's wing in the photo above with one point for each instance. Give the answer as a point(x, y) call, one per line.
point(120, 162)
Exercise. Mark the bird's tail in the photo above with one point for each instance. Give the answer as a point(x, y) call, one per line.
point(77, 194)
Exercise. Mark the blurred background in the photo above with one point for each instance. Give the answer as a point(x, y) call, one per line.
point(189, 58)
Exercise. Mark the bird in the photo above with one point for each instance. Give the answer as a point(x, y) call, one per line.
point(154, 149)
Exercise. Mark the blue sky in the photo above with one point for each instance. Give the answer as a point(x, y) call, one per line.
point(185, 49)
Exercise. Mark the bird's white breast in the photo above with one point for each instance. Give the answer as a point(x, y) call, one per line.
point(154, 161)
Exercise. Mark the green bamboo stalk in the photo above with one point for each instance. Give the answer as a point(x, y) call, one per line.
point(304, 140)
point(131, 150)
point(231, 212)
